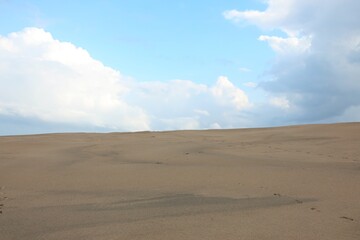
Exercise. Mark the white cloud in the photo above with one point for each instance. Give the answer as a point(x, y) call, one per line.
point(215, 126)
point(289, 45)
point(201, 112)
point(251, 84)
point(277, 11)
point(316, 68)
point(225, 92)
point(57, 82)
point(183, 123)
point(173, 103)
point(280, 102)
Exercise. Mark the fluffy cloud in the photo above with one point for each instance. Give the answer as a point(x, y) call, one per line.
point(280, 102)
point(225, 92)
point(58, 83)
point(317, 66)
point(183, 104)
point(289, 45)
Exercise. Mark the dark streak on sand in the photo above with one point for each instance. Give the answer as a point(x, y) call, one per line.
point(189, 204)
point(347, 218)
point(138, 210)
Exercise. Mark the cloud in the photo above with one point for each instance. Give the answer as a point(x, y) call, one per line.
point(183, 104)
point(270, 18)
point(58, 82)
point(316, 68)
point(226, 93)
point(251, 84)
point(289, 45)
point(49, 82)
point(280, 102)
point(244, 69)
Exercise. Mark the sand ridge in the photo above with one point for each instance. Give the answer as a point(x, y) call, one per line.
point(297, 182)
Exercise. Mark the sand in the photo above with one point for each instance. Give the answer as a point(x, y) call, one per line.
point(298, 182)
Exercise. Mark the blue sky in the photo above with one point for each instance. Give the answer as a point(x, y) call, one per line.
point(151, 39)
point(162, 65)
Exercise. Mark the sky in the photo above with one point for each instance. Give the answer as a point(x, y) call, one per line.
point(154, 65)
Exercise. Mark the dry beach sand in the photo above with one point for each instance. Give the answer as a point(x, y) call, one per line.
point(299, 182)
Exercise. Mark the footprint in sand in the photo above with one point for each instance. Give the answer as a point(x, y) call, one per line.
point(347, 218)
point(315, 209)
point(2, 198)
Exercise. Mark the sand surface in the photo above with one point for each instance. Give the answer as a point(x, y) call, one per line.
point(300, 182)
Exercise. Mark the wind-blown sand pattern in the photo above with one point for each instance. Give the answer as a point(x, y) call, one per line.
point(300, 182)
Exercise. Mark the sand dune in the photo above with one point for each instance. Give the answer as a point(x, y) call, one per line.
point(299, 182)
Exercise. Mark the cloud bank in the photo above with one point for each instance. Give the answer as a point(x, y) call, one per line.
point(52, 82)
point(50, 85)
point(316, 74)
